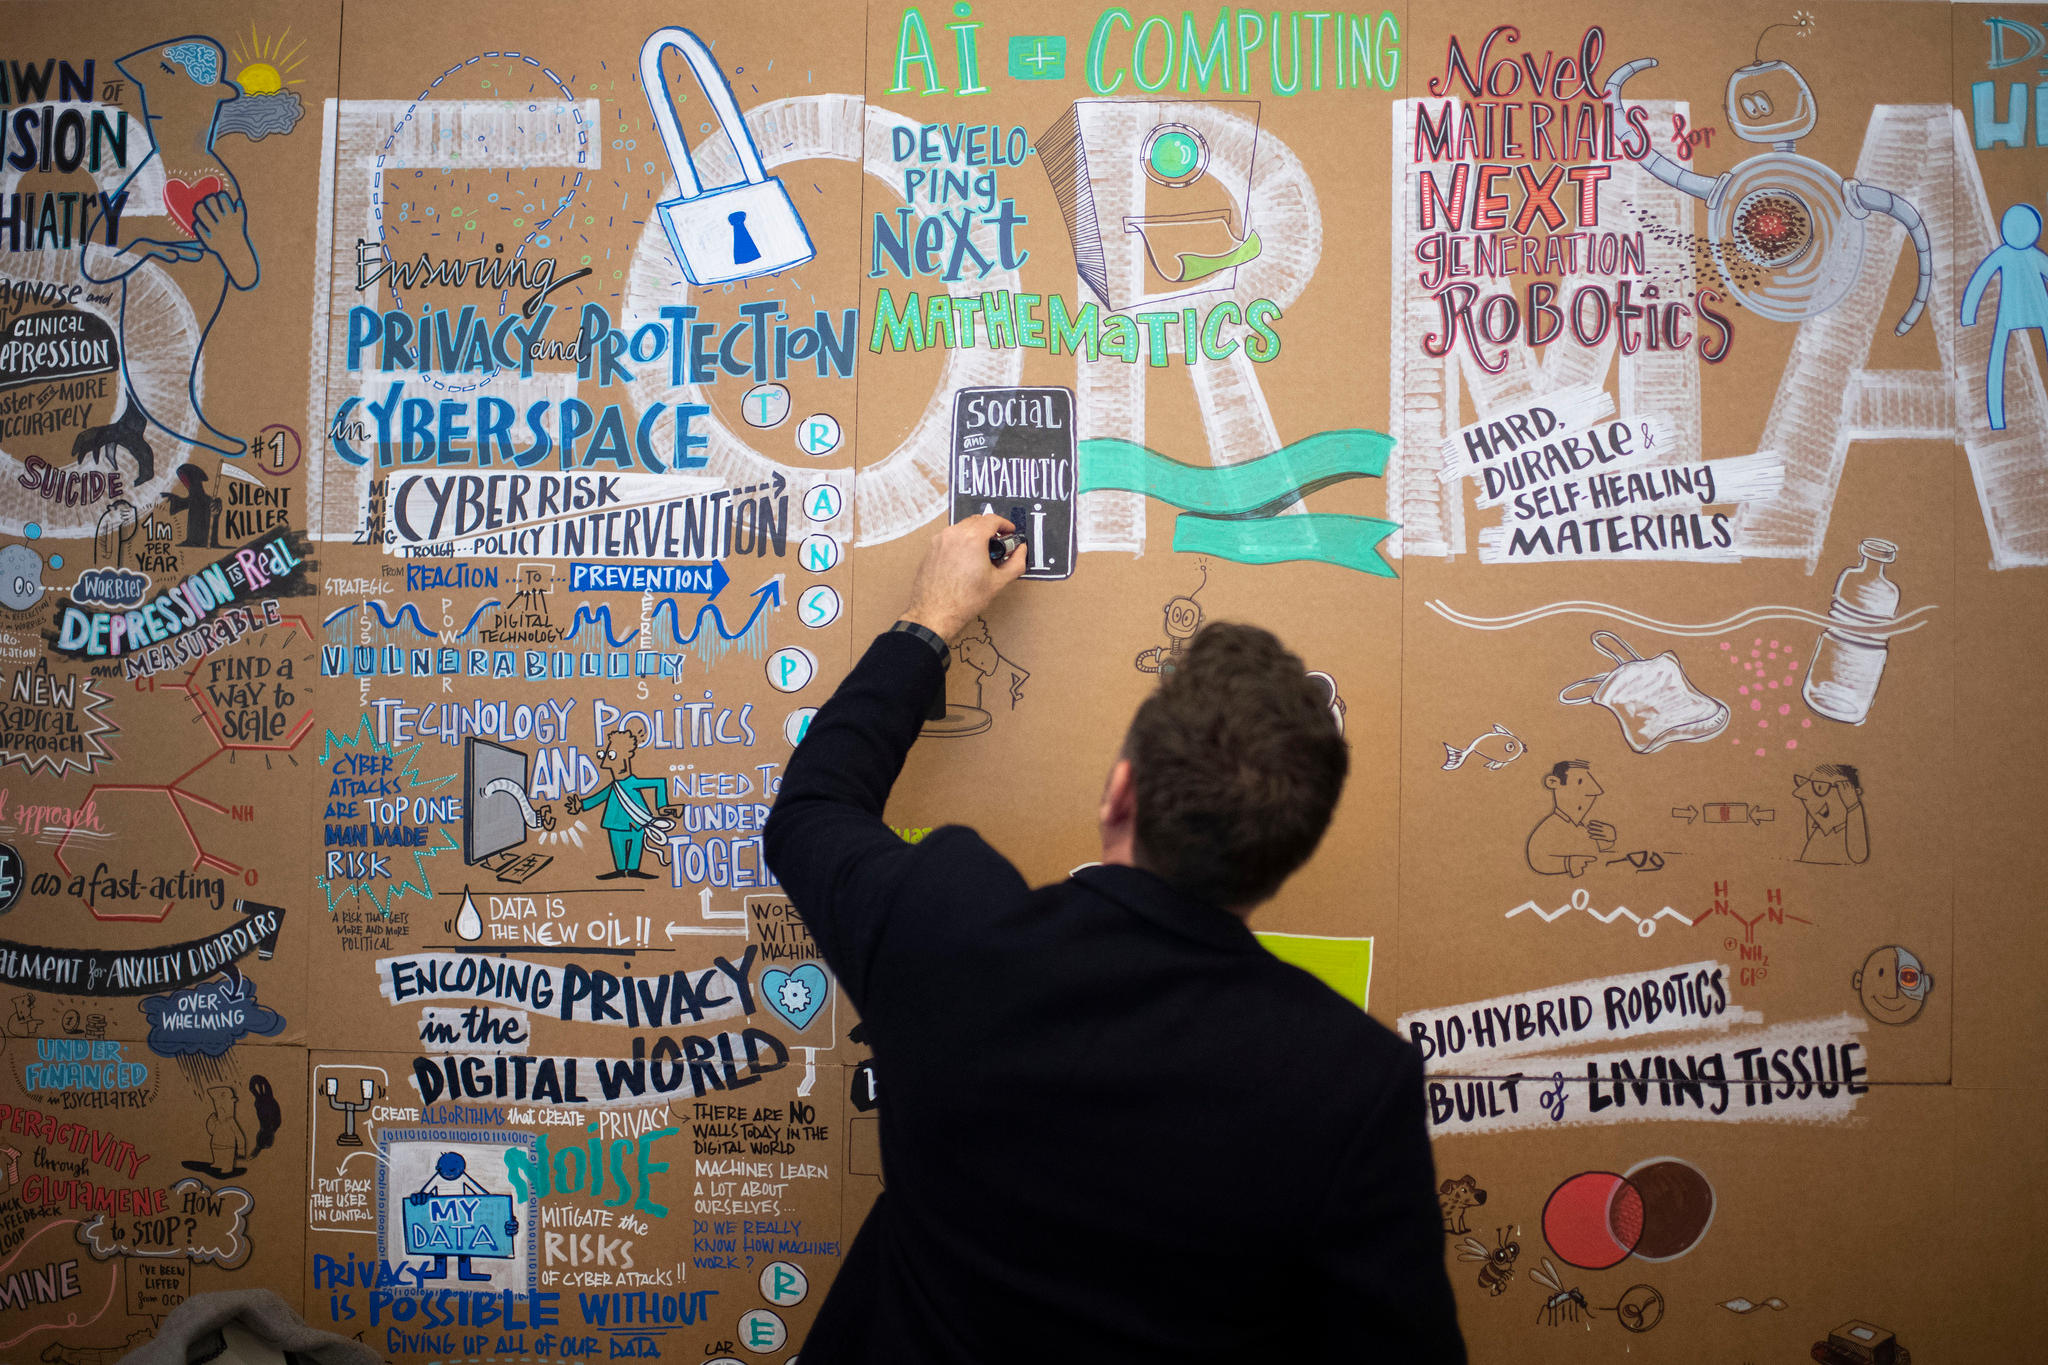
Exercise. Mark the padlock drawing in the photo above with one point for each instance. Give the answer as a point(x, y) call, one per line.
point(1652, 698)
point(719, 233)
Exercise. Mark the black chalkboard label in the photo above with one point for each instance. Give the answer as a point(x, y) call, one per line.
point(1014, 454)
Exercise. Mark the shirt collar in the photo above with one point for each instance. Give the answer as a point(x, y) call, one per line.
point(1151, 897)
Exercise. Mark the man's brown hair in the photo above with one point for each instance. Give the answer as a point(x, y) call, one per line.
point(1237, 764)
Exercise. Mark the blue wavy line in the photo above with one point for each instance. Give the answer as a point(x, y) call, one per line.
point(338, 613)
point(488, 603)
point(697, 624)
point(405, 609)
point(600, 616)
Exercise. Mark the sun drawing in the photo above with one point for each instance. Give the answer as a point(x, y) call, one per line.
point(264, 66)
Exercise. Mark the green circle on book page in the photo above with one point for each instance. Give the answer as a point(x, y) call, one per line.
point(1175, 154)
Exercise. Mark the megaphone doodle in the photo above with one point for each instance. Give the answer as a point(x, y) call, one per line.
point(719, 233)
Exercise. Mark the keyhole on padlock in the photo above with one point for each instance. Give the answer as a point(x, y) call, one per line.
point(743, 248)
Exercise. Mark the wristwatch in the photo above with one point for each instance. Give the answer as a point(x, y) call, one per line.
point(930, 637)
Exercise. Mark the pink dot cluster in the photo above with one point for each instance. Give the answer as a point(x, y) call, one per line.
point(1761, 661)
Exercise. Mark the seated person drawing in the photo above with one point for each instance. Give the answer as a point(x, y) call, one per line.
point(1837, 831)
point(1566, 842)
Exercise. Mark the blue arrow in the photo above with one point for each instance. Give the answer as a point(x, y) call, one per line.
point(767, 595)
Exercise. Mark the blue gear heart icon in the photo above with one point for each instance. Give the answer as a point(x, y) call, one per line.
point(797, 995)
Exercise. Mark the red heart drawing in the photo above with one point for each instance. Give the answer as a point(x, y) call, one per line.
point(181, 197)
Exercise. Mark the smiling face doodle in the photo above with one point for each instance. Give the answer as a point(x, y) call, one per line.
point(1892, 985)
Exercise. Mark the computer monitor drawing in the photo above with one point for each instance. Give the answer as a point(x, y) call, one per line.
point(495, 812)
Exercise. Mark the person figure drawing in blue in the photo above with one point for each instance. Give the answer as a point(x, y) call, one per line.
point(183, 87)
point(451, 1177)
point(2021, 269)
point(631, 805)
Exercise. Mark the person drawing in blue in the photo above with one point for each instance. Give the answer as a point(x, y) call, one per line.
point(631, 805)
point(451, 1176)
point(183, 88)
point(2021, 269)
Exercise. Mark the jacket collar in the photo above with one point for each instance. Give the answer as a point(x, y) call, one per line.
point(1152, 898)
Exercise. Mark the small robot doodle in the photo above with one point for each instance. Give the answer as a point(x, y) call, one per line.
point(1183, 619)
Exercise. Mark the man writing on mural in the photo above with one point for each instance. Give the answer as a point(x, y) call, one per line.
point(1113, 1127)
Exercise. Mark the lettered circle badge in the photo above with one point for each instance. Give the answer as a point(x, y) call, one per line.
point(761, 1330)
point(818, 607)
point(818, 434)
point(818, 553)
point(783, 1284)
point(791, 668)
point(823, 502)
point(765, 405)
point(797, 724)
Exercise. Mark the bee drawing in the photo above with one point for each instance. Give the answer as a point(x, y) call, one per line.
point(1563, 1305)
point(1500, 1262)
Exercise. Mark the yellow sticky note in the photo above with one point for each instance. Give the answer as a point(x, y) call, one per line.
point(1343, 964)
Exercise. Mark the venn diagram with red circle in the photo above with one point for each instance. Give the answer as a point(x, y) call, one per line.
point(1656, 1211)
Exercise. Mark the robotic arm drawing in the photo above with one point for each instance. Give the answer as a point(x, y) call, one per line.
point(1787, 230)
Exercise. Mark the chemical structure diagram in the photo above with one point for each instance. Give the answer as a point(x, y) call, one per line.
point(222, 714)
point(1755, 961)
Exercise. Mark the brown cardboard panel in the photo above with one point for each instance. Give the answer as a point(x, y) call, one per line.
point(134, 1181)
point(1999, 865)
point(156, 435)
point(476, 529)
point(1995, 1264)
point(1700, 749)
point(689, 585)
point(593, 1230)
point(1752, 1242)
point(1057, 685)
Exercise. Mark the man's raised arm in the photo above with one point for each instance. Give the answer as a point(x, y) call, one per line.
point(825, 840)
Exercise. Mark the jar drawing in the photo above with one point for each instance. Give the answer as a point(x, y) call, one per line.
point(1848, 663)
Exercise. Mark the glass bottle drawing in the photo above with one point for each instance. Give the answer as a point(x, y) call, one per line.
point(1841, 682)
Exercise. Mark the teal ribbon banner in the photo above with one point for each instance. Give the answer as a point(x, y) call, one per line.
point(1230, 510)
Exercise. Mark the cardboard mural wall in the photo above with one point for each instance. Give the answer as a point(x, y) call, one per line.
point(446, 455)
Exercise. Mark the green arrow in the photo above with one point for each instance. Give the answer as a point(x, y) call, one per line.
point(1256, 488)
point(1230, 508)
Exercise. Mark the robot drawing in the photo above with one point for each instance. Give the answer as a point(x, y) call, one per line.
point(1787, 230)
point(1183, 619)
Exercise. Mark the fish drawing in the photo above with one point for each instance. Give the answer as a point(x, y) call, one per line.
point(1498, 747)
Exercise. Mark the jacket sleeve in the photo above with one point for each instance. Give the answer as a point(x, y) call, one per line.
point(825, 840)
point(1387, 1295)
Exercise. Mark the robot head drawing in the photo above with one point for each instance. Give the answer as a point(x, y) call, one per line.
point(1770, 102)
point(1184, 614)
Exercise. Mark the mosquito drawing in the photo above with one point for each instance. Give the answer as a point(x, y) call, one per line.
point(1563, 1305)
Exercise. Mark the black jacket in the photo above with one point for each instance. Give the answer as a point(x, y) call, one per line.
point(1113, 1127)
